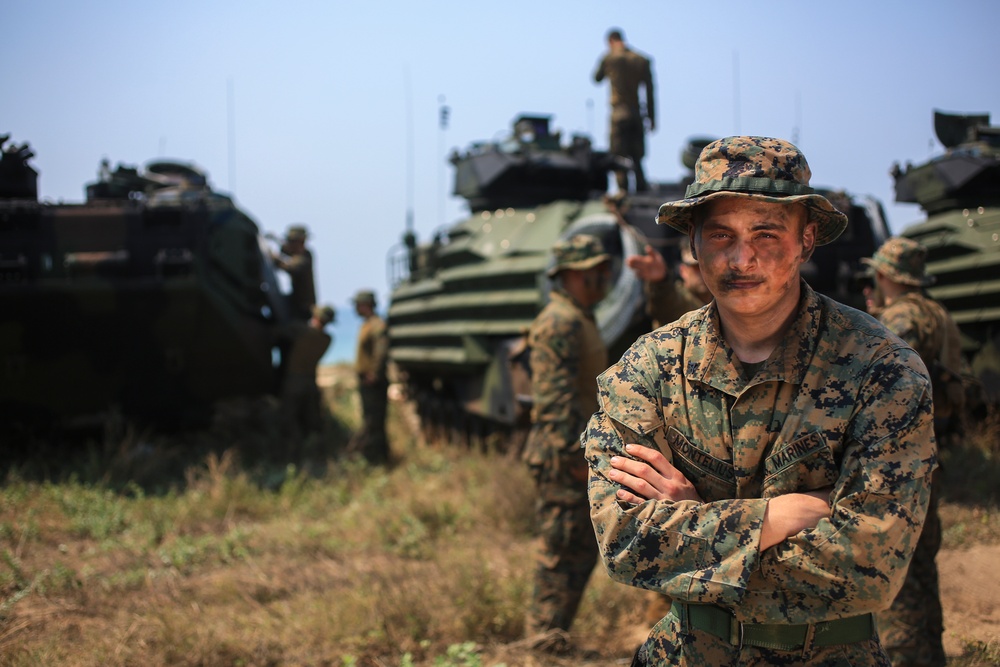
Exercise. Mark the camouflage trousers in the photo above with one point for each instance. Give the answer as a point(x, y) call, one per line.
point(628, 139)
point(566, 555)
point(911, 628)
point(670, 643)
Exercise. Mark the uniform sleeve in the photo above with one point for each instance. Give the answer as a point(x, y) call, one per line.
point(380, 349)
point(696, 552)
point(856, 560)
point(600, 73)
point(902, 322)
point(709, 552)
point(650, 94)
point(555, 364)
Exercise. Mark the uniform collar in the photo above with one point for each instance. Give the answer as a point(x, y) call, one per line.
point(708, 358)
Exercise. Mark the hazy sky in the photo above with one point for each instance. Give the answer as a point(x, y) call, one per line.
point(327, 112)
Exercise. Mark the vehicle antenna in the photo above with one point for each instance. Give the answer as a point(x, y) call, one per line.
point(443, 112)
point(736, 91)
point(409, 150)
point(231, 118)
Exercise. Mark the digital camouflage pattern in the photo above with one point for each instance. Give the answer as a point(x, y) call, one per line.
point(902, 260)
point(760, 168)
point(912, 627)
point(927, 327)
point(567, 354)
point(840, 403)
point(579, 252)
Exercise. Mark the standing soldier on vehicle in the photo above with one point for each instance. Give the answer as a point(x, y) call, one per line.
point(373, 382)
point(297, 261)
point(764, 461)
point(911, 629)
point(627, 71)
point(567, 353)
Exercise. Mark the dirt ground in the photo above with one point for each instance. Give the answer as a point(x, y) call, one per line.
point(970, 595)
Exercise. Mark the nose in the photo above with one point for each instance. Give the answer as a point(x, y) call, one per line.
point(741, 255)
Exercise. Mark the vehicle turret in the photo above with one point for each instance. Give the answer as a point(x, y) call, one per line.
point(959, 190)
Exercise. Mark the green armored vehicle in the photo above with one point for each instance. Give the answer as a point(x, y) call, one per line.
point(155, 298)
point(461, 302)
point(960, 193)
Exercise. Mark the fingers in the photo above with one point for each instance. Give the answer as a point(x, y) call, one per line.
point(634, 489)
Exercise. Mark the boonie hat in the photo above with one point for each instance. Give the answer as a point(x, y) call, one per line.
point(902, 260)
point(364, 296)
point(580, 252)
point(760, 168)
point(324, 314)
point(296, 233)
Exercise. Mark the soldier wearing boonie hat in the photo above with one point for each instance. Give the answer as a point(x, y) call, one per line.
point(579, 252)
point(765, 461)
point(903, 260)
point(566, 355)
point(911, 629)
point(755, 168)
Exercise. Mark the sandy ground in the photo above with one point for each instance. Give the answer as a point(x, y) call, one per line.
point(970, 595)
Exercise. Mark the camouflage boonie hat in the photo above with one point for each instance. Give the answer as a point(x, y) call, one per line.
point(324, 314)
point(296, 233)
point(364, 296)
point(902, 260)
point(760, 168)
point(577, 252)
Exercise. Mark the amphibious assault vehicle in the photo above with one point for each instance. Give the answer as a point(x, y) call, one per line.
point(959, 191)
point(461, 303)
point(154, 298)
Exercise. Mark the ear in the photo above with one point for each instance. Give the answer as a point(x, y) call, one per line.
point(692, 237)
point(808, 240)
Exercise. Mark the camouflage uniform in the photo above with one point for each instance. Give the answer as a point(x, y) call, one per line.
point(667, 300)
point(567, 354)
point(911, 628)
point(841, 402)
point(626, 72)
point(370, 362)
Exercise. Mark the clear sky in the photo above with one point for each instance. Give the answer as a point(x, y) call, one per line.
point(326, 113)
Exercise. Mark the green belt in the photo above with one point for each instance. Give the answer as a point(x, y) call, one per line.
point(779, 636)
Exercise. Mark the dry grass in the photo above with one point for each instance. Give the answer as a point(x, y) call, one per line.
point(220, 548)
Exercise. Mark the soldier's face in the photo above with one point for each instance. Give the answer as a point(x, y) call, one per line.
point(751, 252)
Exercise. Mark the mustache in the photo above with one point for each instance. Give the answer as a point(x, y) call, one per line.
point(736, 276)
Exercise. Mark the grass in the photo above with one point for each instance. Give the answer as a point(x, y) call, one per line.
point(220, 548)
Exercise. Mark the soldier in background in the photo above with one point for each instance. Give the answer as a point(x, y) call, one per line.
point(297, 261)
point(566, 353)
point(300, 396)
point(627, 71)
point(911, 629)
point(373, 384)
point(669, 296)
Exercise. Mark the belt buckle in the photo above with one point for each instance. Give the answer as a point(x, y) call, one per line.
point(735, 632)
